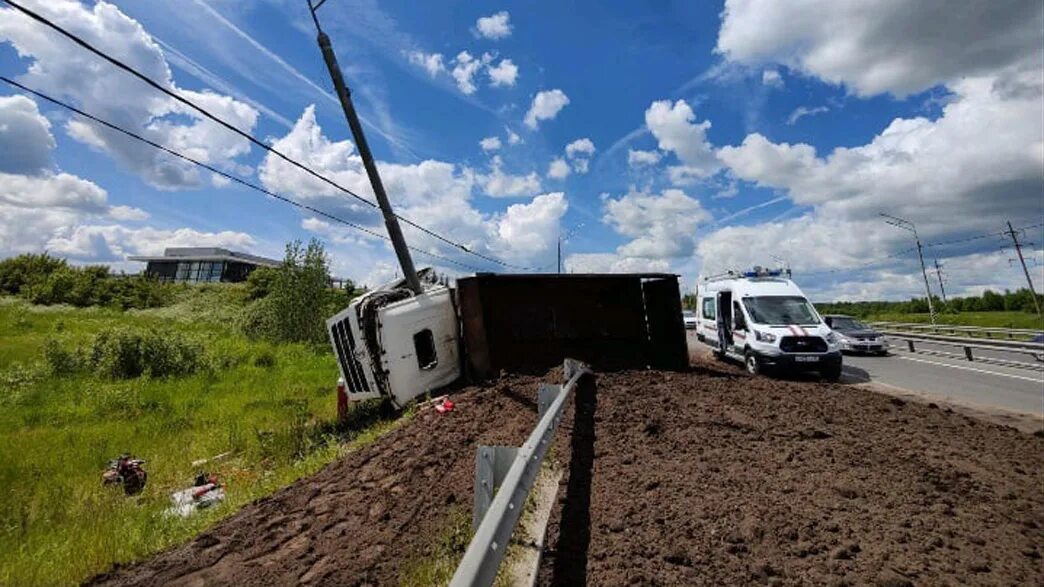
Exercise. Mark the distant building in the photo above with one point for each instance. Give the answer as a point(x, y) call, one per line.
point(202, 264)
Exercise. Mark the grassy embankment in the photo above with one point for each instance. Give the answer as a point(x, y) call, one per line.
point(984, 319)
point(272, 405)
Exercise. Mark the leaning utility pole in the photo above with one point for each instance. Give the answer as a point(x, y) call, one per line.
point(938, 273)
point(909, 226)
point(1018, 249)
point(562, 238)
point(344, 95)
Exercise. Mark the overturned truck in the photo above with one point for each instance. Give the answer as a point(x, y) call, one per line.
point(393, 343)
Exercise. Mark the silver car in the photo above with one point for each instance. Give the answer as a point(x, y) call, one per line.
point(856, 336)
point(689, 318)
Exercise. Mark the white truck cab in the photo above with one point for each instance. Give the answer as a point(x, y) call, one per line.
point(392, 343)
point(763, 319)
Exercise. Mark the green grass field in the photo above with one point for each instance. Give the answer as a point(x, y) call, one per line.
point(986, 319)
point(273, 406)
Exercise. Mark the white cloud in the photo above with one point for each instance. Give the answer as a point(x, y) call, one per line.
point(613, 263)
point(500, 185)
point(919, 168)
point(580, 148)
point(893, 46)
point(431, 62)
point(435, 194)
point(504, 74)
point(558, 169)
point(25, 137)
point(532, 227)
point(58, 68)
point(114, 242)
point(675, 130)
point(638, 158)
point(546, 106)
point(772, 78)
point(579, 153)
point(660, 226)
point(495, 26)
point(490, 143)
point(128, 213)
point(464, 70)
point(803, 111)
point(512, 137)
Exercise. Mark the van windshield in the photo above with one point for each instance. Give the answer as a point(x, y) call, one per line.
point(780, 310)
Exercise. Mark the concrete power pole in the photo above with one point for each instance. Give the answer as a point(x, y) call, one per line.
point(938, 273)
point(409, 272)
point(1018, 249)
point(911, 227)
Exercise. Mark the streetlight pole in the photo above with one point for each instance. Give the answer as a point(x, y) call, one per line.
point(402, 251)
point(562, 238)
point(911, 227)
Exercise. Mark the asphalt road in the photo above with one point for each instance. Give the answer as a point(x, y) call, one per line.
point(973, 384)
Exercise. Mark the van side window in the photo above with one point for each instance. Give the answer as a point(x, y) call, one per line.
point(739, 322)
point(424, 345)
point(708, 308)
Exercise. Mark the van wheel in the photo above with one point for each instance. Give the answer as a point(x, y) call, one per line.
point(752, 363)
point(833, 374)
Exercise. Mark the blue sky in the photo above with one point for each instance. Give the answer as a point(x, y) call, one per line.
point(704, 135)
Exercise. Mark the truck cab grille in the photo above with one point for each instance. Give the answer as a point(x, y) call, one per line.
point(351, 368)
point(802, 344)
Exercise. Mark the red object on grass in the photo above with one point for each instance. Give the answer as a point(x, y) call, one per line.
point(342, 401)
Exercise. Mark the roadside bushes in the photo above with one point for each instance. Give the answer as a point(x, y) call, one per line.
point(294, 299)
point(126, 353)
point(42, 279)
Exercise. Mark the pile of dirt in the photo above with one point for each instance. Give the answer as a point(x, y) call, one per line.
point(713, 477)
point(361, 518)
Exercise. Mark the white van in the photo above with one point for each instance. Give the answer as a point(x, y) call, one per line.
point(762, 318)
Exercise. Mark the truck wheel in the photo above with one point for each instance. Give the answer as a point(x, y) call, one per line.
point(832, 374)
point(752, 363)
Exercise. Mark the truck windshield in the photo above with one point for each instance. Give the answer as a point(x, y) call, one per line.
point(780, 310)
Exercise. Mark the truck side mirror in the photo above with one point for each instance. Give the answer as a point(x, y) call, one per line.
point(829, 321)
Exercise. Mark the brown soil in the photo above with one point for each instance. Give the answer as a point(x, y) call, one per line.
point(359, 520)
point(713, 477)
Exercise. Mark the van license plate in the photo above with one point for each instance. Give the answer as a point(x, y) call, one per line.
point(806, 359)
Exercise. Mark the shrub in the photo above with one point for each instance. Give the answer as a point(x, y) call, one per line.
point(59, 360)
point(127, 353)
point(295, 308)
point(260, 282)
point(16, 273)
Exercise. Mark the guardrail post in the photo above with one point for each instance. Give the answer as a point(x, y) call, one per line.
point(968, 353)
point(491, 465)
point(910, 344)
point(546, 396)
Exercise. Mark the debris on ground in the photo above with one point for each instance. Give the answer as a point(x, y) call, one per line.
point(126, 471)
point(205, 492)
point(363, 518)
point(444, 406)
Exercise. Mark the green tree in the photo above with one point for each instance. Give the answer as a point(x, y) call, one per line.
point(297, 304)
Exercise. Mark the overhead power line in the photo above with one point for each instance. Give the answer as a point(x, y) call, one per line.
point(224, 174)
point(252, 139)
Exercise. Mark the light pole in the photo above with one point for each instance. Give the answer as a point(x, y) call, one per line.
point(402, 252)
point(910, 226)
point(562, 238)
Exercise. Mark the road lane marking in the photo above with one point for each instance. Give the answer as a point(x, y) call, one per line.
point(972, 369)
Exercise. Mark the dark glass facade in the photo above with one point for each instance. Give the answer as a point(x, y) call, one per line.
point(189, 271)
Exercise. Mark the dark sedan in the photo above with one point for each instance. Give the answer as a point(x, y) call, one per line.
point(857, 336)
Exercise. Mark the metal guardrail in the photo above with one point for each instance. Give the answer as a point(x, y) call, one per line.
point(969, 345)
point(988, 332)
point(514, 470)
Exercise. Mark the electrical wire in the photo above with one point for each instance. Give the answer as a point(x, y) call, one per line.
point(225, 174)
point(254, 140)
